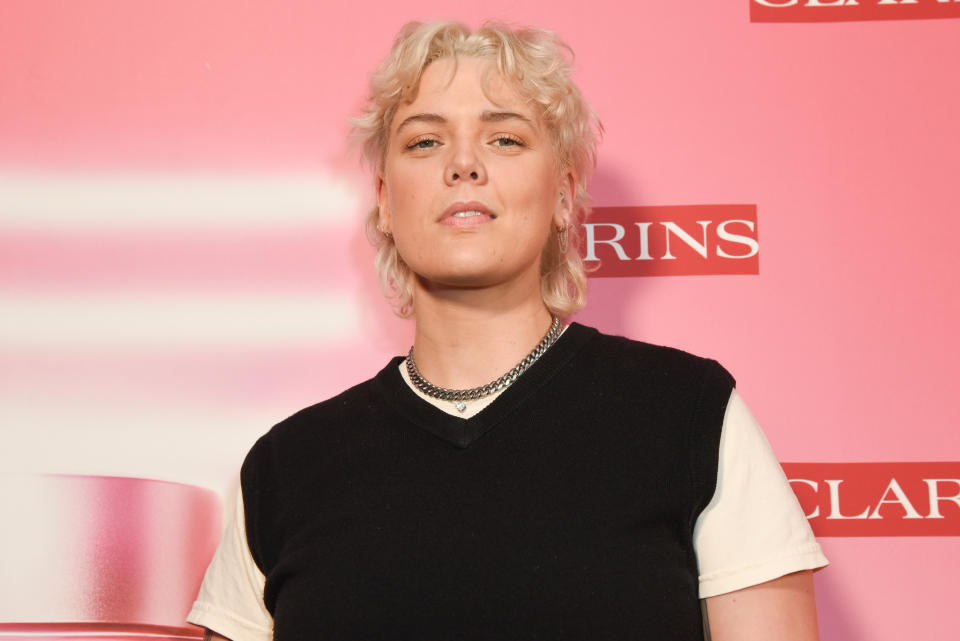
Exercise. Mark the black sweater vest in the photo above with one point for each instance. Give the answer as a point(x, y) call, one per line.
point(564, 510)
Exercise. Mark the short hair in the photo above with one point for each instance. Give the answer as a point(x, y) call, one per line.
point(538, 65)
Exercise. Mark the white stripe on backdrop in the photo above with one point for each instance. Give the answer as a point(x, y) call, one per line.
point(154, 324)
point(30, 200)
point(122, 320)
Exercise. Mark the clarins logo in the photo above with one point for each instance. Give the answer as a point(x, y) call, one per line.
point(676, 240)
point(878, 499)
point(845, 10)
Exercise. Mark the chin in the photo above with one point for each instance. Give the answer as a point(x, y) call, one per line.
point(467, 270)
point(463, 268)
point(457, 279)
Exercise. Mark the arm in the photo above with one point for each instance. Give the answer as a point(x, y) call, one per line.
point(783, 609)
point(754, 533)
point(230, 598)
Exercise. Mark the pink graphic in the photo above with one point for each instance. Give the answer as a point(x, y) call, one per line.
point(96, 557)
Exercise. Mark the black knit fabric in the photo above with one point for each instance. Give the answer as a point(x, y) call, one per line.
point(564, 510)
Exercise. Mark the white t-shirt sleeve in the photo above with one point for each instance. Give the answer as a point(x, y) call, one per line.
point(753, 530)
point(230, 601)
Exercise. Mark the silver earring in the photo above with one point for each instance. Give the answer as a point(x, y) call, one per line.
point(384, 231)
point(563, 238)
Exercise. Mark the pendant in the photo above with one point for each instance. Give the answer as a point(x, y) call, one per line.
point(460, 405)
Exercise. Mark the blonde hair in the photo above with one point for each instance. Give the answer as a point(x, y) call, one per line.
point(534, 61)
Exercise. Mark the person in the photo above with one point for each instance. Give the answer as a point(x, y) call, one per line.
point(512, 477)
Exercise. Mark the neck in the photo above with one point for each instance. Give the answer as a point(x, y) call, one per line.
point(467, 338)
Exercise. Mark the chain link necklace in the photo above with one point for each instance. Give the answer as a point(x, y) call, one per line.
point(459, 396)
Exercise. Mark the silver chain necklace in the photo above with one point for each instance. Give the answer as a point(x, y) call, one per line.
point(460, 396)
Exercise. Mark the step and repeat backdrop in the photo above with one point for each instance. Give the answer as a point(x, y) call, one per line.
point(182, 265)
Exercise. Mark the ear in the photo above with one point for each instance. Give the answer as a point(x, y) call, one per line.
point(383, 204)
point(563, 215)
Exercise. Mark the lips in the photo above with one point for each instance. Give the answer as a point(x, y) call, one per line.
point(469, 214)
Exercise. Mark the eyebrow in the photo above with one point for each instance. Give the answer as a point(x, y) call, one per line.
point(425, 117)
point(486, 116)
point(500, 116)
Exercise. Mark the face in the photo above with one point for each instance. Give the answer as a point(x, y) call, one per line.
point(470, 186)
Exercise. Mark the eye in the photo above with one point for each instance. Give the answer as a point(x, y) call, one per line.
point(423, 143)
point(504, 140)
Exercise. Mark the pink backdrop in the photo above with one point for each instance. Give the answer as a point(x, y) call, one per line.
point(182, 265)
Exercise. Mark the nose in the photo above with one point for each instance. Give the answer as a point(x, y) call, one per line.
point(464, 165)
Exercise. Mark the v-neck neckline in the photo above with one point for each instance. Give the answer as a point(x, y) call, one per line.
point(463, 432)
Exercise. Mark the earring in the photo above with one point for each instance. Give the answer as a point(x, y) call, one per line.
point(563, 238)
point(384, 231)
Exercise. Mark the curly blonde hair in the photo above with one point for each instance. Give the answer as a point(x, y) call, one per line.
point(538, 65)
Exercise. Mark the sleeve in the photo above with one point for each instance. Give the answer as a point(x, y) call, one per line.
point(753, 530)
point(230, 601)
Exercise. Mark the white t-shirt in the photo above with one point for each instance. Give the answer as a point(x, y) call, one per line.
point(752, 531)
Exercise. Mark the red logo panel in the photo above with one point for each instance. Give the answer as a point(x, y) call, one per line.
point(878, 499)
point(673, 240)
point(847, 10)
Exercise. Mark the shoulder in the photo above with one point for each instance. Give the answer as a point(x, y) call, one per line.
point(321, 429)
point(326, 414)
point(309, 449)
point(625, 358)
